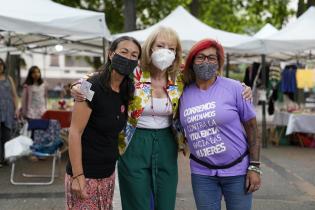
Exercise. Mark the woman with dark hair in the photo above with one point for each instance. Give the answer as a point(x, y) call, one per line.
point(95, 124)
point(148, 146)
point(221, 130)
point(34, 96)
point(8, 108)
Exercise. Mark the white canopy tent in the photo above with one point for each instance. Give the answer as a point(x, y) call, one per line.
point(266, 31)
point(190, 30)
point(49, 18)
point(249, 57)
point(42, 23)
point(295, 37)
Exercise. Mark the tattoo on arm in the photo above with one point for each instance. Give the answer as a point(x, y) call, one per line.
point(252, 139)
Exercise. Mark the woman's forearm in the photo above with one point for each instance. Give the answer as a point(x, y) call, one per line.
point(75, 152)
point(80, 116)
point(252, 139)
point(14, 94)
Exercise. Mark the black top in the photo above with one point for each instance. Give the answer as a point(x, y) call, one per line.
point(100, 136)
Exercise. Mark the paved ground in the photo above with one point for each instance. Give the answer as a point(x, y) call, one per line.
point(288, 184)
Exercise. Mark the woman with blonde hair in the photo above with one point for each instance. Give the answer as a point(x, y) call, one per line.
point(148, 145)
point(149, 163)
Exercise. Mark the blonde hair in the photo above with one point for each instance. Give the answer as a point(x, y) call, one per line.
point(170, 34)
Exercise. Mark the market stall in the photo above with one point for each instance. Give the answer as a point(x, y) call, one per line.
point(179, 19)
point(30, 25)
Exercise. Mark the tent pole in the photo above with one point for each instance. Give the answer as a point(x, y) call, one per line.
point(44, 63)
point(227, 65)
point(263, 100)
point(104, 42)
point(8, 58)
point(104, 50)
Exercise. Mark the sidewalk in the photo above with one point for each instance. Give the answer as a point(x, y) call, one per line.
point(288, 184)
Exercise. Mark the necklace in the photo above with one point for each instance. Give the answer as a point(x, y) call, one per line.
point(166, 104)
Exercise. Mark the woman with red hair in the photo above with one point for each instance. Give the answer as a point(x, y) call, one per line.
point(149, 164)
point(221, 130)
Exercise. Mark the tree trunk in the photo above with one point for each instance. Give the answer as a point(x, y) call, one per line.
point(194, 8)
point(130, 15)
point(301, 8)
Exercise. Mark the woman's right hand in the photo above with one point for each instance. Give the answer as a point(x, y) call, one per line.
point(78, 187)
point(77, 94)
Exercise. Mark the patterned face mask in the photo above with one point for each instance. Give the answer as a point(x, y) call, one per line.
point(205, 71)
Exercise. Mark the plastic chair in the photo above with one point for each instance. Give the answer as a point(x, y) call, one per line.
point(46, 143)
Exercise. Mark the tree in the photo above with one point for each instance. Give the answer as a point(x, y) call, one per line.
point(301, 8)
point(194, 8)
point(310, 3)
point(240, 16)
point(130, 12)
point(244, 16)
point(113, 10)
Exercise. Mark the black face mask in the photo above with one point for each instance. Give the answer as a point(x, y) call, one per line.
point(122, 65)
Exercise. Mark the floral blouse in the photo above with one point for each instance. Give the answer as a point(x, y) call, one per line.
point(34, 100)
point(141, 98)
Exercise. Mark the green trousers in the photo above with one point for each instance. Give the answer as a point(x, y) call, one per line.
point(149, 166)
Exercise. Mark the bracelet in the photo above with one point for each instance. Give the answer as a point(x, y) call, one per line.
point(74, 177)
point(254, 163)
point(74, 84)
point(255, 169)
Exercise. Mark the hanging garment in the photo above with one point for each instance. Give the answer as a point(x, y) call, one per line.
point(305, 78)
point(274, 73)
point(288, 79)
point(250, 74)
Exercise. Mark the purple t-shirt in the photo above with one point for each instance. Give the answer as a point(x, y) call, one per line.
point(212, 121)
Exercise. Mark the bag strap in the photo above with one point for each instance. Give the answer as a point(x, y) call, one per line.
point(210, 166)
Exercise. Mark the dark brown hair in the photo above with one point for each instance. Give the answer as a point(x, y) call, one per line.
point(4, 66)
point(127, 85)
point(29, 79)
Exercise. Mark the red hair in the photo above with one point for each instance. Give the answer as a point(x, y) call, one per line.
point(201, 45)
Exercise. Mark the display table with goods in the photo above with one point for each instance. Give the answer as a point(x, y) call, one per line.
point(295, 123)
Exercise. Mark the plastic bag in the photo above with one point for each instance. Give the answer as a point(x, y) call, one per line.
point(17, 147)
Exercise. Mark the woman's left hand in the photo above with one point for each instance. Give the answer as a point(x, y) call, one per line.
point(247, 93)
point(253, 181)
point(17, 114)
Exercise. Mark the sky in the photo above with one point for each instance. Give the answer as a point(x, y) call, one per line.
point(293, 5)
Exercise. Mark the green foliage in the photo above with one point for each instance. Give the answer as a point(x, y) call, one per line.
point(95, 62)
point(112, 8)
point(240, 16)
point(244, 16)
point(152, 11)
point(236, 75)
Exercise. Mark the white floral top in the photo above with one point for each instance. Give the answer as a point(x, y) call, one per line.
point(141, 97)
point(34, 101)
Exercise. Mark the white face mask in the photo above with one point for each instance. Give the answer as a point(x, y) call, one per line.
point(162, 58)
